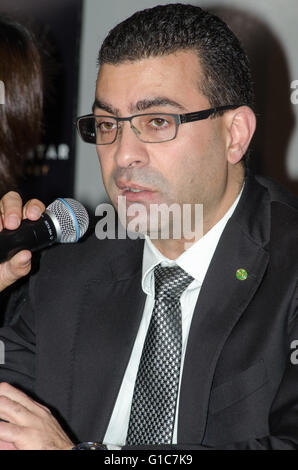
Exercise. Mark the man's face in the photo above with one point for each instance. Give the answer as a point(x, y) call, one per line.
point(191, 169)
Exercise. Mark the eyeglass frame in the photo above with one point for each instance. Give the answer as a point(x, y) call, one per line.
point(179, 119)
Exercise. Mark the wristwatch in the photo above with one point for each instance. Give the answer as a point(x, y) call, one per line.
point(89, 446)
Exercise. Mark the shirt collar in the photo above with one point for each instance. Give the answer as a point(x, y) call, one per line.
point(195, 260)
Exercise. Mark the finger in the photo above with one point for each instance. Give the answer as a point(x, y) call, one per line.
point(15, 413)
point(9, 434)
point(11, 210)
point(33, 209)
point(26, 438)
point(19, 397)
point(15, 268)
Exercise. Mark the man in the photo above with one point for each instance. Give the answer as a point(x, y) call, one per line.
point(100, 337)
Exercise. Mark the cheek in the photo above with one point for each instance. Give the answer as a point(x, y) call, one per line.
point(187, 162)
point(105, 166)
point(196, 167)
point(204, 151)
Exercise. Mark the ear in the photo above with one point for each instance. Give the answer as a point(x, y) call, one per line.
point(241, 125)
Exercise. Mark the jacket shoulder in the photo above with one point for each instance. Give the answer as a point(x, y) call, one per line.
point(284, 221)
point(278, 194)
point(90, 257)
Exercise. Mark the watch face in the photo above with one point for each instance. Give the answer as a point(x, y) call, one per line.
point(90, 446)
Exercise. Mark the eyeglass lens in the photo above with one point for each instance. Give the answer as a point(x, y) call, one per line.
point(151, 128)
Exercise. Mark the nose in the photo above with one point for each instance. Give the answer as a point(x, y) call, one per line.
point(130, 151)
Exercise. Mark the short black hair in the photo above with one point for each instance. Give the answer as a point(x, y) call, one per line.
point(166, 29)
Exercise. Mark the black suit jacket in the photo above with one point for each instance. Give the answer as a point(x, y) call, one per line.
point(74, 328)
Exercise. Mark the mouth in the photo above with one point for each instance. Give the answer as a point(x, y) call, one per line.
point(131, 187)
point(134, 192)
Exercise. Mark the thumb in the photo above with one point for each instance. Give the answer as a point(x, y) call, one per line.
point(15, 268)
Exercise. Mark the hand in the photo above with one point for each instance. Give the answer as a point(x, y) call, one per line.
point(29, 426)
point(11, 214)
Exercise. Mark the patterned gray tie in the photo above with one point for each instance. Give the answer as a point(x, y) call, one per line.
point(154, 401)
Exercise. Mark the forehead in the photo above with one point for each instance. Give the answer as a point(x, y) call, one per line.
point(176, 77)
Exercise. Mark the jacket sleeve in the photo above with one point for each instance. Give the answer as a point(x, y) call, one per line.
point(17, 336)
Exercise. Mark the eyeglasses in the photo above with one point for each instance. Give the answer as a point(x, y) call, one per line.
point(150, 128)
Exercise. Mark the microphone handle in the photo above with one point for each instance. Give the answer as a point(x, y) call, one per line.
point(31, 235)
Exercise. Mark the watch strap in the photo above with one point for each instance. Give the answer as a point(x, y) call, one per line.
point(90, 446)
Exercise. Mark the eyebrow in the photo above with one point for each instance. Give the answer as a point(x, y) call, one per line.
point(141, 105)
point(105, 106)
point(148, 103)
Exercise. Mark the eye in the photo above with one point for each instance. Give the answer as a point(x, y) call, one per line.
point(159, 122)
point(105, 126)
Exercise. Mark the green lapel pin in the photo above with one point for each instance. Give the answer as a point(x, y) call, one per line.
point(241, 274)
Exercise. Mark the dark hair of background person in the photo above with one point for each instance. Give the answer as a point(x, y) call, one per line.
point(21, 114)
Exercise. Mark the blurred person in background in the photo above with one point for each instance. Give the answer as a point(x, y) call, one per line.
point(20, 125)
point(21, 113)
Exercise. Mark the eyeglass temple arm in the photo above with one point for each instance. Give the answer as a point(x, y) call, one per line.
point(204, 114)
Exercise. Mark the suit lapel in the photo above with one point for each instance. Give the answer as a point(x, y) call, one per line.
point(112, 306)
point(223, 299)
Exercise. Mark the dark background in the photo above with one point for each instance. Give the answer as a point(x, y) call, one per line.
point(49, 170)
point(271, 77)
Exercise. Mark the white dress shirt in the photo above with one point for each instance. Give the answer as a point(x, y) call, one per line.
point(195, 261)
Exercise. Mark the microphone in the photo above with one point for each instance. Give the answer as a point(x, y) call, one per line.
point(64, 221)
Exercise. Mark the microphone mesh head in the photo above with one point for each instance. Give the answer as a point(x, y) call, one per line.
point(72, 218)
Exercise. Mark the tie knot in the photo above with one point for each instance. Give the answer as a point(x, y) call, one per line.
point(170, 281)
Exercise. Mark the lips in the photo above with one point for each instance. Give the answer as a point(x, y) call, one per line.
point(132, 187)
point(134, 192)
point(125, 186)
